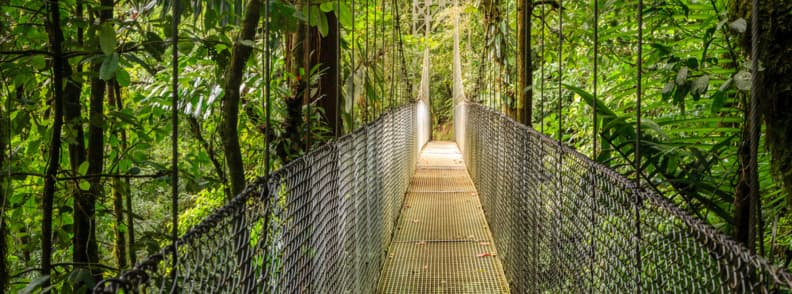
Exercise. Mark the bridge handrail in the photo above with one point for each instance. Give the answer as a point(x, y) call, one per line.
point(564, 223)
point(263, 239)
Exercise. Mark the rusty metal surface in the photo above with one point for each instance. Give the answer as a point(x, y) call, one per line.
point(442, 242)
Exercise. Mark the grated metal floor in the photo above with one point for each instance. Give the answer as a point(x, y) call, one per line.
point(442, 243)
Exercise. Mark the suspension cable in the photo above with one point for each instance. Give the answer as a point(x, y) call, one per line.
point(638, 166)
point(339, 91)
point(393, 55)
point(639, 65)
point(560, 69)
point(754, 123)
point(402, 62)
point(382, 58)
point(366, 65)
point(266, 55)
point(593, 248)
point(352, 72)
point(175, 145)
point(307, 75)
point(542, 75)
point(595, 78)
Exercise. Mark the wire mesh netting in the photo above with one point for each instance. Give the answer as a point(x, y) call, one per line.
point(321, 224)
point(565, 224)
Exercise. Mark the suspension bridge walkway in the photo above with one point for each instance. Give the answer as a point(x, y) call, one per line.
point(382, 211)
point(442, 242)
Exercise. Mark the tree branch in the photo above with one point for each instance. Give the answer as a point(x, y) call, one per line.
point(552, 3)
point(123, 176)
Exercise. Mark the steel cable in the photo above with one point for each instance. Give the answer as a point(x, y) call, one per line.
point(175, 145)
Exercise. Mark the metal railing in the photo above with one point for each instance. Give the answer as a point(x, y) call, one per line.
point(565, 224)
point(321, 224)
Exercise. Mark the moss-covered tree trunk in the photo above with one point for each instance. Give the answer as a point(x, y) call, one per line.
point(775, 101)
point(230, 134)
point(231, 97)
point(307, 48)
point(524, 63)
point(290, 146)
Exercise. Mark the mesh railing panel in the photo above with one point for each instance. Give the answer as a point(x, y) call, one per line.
point(321, 224)
point(565, 224)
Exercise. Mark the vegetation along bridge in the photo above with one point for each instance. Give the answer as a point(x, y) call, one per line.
point(608, 146)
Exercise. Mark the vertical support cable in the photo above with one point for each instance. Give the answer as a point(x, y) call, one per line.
point(374, 62)
point(393, 55)
point(175, 145)
point(638, 166)
point(560, 67)
point(365, 67)
point(592, 229)
point(559, 106)
point(639, 65)
point(339, 90)
point(352, 72)
point(753, 164)
point(542, 75)
point(307, 40)
point(267, 54)
point(382, 47)
point(595, 80)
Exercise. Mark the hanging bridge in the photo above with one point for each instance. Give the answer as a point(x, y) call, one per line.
point(379, 210)
point(502, 209)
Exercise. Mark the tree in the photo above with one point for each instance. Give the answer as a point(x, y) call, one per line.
point(59, 73)
point(775, 102)
point(232, 80)
point(329, 81)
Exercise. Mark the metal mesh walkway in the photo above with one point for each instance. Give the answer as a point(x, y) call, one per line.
point(442, 242)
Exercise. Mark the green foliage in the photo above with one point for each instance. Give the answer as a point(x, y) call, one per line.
point(133, 50)
point(695, 85)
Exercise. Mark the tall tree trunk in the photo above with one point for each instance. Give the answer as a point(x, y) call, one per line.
point(328, 83)
point(55, 36)
point(230, 120)
point(231, 97)
point(85, 250)
point(775, 98)
point(118, 187)
point(73, 121)
point(744, 216)
point(524, 63)
point(292, 146)
point(124, 186)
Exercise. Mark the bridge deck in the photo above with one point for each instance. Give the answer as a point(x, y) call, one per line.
point(442, 243)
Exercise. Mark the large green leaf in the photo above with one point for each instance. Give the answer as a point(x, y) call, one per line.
point(109, 67)
point(34, 284)
point(107, 38)
point(344, 15)
point(322, 24)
